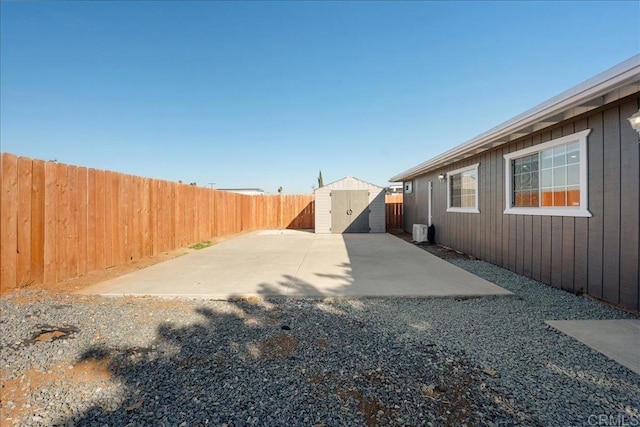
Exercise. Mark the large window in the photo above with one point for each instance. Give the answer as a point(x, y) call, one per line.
point(462, 190)
point(549, 178)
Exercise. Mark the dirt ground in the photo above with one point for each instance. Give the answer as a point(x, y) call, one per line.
point(18, 391)
point(77, 283)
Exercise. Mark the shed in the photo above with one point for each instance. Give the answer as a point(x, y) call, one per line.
point(350, 205)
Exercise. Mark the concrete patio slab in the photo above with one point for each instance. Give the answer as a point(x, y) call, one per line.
point(617, 339)
point(303, 264)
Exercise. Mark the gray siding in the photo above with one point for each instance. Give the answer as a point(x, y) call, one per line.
point(597, 255)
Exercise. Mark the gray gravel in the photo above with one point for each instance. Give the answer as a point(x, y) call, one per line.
point(147, 361)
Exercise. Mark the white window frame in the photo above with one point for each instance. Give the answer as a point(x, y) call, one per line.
point(455, 172)
point(577, 211)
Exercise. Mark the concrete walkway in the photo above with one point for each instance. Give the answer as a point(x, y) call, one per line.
point(617, 339)
point(303, 264)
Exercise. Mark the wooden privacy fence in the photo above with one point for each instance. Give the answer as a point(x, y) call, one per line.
point(394, 210)
point(60, 221)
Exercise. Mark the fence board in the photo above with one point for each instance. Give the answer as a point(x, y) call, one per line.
point(102, 246)
point(9, 238)
point(154, 215)
point(50, 229)
point(160, 204)
point(83, 222)
point(63, 212)
point(394, 211)
point(178, 216)
point(23, 221)
point(146, 219)
point(37, 221)
point(114, 221)
point(91, 219)
point(138, 215)
point(71, 223)
point(72, 238)
point(127, 212)
point(168, 213)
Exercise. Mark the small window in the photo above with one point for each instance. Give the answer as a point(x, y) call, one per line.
point(549, 178)
point(462, 190)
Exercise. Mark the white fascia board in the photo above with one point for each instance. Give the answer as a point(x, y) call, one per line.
point(625, 73)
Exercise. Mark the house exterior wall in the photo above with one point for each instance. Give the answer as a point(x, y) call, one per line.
point(596, 255)
point(377, 216)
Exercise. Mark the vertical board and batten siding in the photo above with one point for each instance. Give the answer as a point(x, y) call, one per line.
point(377, 215)
point(596, 255)
point(629, 206)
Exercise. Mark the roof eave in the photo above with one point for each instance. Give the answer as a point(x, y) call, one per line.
point(613, 84)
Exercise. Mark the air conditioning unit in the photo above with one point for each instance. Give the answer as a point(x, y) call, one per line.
point(420, 232)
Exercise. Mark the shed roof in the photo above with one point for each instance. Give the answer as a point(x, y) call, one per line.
point(608, 86)
point(349, 178)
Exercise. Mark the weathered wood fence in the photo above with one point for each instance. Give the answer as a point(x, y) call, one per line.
point(394, 210)
point(60, 221)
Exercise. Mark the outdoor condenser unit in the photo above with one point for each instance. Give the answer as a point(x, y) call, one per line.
point(420, 232)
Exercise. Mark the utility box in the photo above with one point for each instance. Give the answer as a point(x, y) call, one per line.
point(350, 205)
point(420, 232)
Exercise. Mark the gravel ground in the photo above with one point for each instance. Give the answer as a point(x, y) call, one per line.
point(84, 360)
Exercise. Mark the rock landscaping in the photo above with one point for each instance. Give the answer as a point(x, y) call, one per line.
point(89, 360)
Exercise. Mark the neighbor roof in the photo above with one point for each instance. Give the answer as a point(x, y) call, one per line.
point(608, 86)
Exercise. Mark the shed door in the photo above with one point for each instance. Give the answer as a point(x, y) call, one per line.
point(340, 219)
point(349, 211)
point(359, 211)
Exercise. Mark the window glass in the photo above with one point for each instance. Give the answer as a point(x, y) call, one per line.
point(559, 156)
point(559, 177)
point(548, 178)
point(573, 174)
point(456, 191)
point(573, 153)
point(573, 196)
point(525, 180)
point(547, 159)
point(463, 189)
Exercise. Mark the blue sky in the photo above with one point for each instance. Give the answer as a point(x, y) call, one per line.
point(264, 94)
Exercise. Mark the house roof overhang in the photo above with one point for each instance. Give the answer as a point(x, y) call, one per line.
point(609, 86)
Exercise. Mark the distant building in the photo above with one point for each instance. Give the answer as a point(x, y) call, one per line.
point(247, 191)
point(395, 188)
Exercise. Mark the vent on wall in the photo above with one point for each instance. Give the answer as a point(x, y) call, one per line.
point(420, 232)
